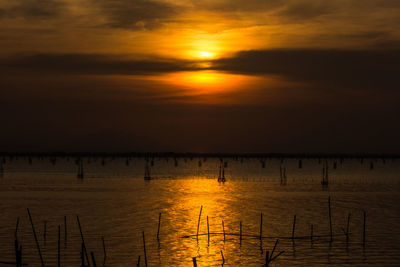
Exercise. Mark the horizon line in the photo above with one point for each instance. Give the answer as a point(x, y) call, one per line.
point(203, 154)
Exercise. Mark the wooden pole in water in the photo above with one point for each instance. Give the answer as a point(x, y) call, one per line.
point(266, 258)
point(17, 248)
point(16, 252)
point(83, 241)
point(198, 223)
point(365, 218)
point(158, 229)
point(36, 240)
point(240, 232)
point(65, 231)
point(44, 232)
point(20, 256)
point(261, 224)
point(330, 218)
point(208, 230)
point(273, 250)
point(138, 261)
point(104, 251)
point(348, 228)
point(294, 226)
point(83, 255)
point(93, 259)
point(223, 229)
point(16, 229)
point(194, 262)
point(58, 247)
point(223, 259)
point(144, 248)
point(312, 232)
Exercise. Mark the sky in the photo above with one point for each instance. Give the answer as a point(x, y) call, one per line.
point(236, 76)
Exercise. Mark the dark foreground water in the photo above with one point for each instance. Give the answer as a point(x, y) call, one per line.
point(115, 202)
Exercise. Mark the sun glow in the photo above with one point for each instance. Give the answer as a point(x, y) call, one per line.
point(205, 54)
point(208, 82)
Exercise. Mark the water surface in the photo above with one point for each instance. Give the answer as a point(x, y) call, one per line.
point(115, 202)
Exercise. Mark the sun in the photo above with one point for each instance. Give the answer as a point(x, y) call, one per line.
point(206, 54)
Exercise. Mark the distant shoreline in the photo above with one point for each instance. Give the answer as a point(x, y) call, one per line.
point(199, 155)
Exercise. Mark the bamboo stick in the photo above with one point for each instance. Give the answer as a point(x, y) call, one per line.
point(83, 241)
point(144, 248)
point(273, 250)
point(208, 230)
point(16, 229)
point(58, 247)
point(93, 259)
point(312, 232)
point(138, 261)
point(294, 226)
point(198, 223)
point(364, 224)
point(223, 229)
point(83, 255)
point(104, 251)
point(36, 240)
point(44, 232)
point(330, 218)
point(261, 224)
point(158, 229)
point(240, 232)
point(65, 231)
point(348, 228)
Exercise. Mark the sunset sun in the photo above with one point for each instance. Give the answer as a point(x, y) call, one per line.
point(206, 54)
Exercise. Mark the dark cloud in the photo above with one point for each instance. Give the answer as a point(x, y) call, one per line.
point(377, 69)
point(32, 9)
point(94, 64)
point(300, 10)
point(339, 69)
point(136, 14)
point(240, 5)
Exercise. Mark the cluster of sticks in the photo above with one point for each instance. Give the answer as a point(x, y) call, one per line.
point(86, 261)
point(270, 258)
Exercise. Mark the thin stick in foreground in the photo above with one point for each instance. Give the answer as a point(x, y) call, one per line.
point(36, 240)
point(240, 232)
point(223, 229)
point(58, 247)
point(294, 226)
point(16, 229)
point(330, 218)
point(208, 231)
point(83, 241)
point(144, 248)
point(65, 231)
point(93, 259)
point(365, 219)
point(104, 250)
point(158, 229)
point(261, 225)
point(138, 262)
point(198, 223)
